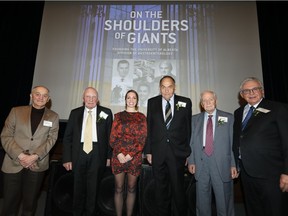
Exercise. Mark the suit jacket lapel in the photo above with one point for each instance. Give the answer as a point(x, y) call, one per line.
point(217, 126)
point(80, 119)
point(160, 110)
point(176, 99)
point(44, 117)
point(175, 109)
point(201, 127)
point(28, 114)
point(97, 113)
point(254, 117)
point(238, 118)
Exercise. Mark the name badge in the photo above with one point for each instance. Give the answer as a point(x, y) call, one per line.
point(47, 123)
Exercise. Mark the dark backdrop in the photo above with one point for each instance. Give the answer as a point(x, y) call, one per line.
point(20, 24)
point(272, 19)
point(19, 34)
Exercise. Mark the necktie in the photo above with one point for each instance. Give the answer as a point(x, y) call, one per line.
point(168, 114)
point(87, 147)
point(247, 117)
point(209, 136)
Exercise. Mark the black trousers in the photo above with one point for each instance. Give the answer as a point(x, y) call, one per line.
point(87, 176)
point(22, 187)
point(263, 196)
point(169, 182)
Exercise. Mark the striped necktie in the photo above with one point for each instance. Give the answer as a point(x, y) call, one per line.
point(168, 114)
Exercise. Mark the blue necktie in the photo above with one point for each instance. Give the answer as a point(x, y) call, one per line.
point(248, 116)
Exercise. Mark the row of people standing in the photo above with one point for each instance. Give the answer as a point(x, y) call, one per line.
point(260, 151)
point(166, 140)
point(170, 141)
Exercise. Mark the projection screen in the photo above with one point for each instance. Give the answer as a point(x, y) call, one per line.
point(204, 45)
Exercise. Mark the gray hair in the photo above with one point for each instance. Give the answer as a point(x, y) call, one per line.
point(251, 79)
point(208, 91)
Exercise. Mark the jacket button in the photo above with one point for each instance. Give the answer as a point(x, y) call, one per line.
point(31, 139)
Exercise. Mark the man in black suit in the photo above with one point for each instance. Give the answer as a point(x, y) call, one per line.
point(168, 142)
point(87, 166)
point(261, 146)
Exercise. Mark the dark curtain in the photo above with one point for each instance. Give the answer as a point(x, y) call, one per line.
point(273, 22)
point(20, 24)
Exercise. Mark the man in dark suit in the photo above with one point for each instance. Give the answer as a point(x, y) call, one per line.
point(214, 168)
point(261, 146)
point(27, 137)
point(168, 142)
point(87, 166)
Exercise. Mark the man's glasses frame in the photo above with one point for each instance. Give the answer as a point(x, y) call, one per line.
point(249, 91)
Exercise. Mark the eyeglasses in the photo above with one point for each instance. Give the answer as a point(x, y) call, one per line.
point(249, 91)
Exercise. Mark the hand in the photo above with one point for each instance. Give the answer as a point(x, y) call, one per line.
point(26, 160)
point(149, 158)
point(284, 183)
point(121, 158)
point(68, 166)
point(234, 173)
point(128, 157)
point(191, 168)
point(22, 158)
point(34, 166)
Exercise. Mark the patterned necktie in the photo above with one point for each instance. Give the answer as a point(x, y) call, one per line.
point(87, 147)
point(248, 116)
point(209, 136)
point(168, 114)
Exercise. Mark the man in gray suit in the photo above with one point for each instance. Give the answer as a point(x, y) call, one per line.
point(212, 163)
point(28, 135)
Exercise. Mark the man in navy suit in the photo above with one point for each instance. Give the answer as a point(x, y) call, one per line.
point(213, 169)
point(168, 144)
point(262, 149)
point(87, 167)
